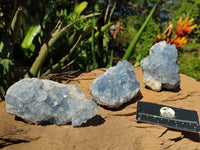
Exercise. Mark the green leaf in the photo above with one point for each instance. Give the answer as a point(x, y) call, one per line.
point(111, 59)
point(1, 46)
point(103, 29)
point(32, 32)
point(49, 8)
point(127, 55)
point(80, 35)
point(79, 9)
point(44, 50)
point(16, 24)
point(35, 29)
point(6, 75)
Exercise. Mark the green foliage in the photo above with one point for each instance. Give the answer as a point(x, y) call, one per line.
point(190, 65)
point(63, 46)
point(35, 68)
point(94, 47)
point(59, 30)
point(189, 60)
point(146, 41)
point(133, 43)
point(6, 76)
point(83, 53)
point(189, 55)
point(100, 40)
point(80, 8)
point(35, 29)
point(83, 33)
point(7, 40)
point(124, 38)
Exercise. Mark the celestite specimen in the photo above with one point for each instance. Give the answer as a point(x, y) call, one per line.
point(116, 86)
point(43, 101)
point(160, 68)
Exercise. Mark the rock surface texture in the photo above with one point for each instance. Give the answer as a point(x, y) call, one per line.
point(47, 102)
point(116, 86)
point(160, 68)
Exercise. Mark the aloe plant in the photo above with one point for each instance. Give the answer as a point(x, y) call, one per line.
point(133, 43)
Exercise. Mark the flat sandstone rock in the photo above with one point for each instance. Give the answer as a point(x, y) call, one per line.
point(116, 130)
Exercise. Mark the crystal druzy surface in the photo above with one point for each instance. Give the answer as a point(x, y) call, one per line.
point(44, 101)
point(160, 68)
point(116, 86)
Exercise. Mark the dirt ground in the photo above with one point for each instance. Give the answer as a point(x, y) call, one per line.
point(109, 129)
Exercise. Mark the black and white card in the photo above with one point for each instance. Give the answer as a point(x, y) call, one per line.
point(171, 117)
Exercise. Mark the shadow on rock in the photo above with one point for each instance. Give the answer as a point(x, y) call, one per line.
point(23, 120)
point(176, 90)
point(42, 123)
point(132, 101)
point(11, 141)
point(95, 121)
point(192, 136)
point(195, 137)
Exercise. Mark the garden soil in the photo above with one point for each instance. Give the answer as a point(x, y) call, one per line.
point(109, 129)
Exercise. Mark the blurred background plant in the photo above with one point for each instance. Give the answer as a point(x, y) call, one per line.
point(9, 33)
point(185, 36)
point(39, 37)
point(189, 54)
point(78, 39)
point(168, 12)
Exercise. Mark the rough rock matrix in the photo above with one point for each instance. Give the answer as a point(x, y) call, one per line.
point(47, 102)
point(116, 86)
point(160, 68)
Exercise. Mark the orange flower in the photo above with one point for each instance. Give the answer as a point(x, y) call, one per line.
point(184, 27)
point(178, 41)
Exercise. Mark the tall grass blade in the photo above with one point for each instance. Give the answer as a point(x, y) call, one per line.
point(133, 43)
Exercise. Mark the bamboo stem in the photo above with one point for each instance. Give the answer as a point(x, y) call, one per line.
point(47, 46)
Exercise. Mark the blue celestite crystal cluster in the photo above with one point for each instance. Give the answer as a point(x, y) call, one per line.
point(44, 101)
point(160, 68)
point(116, 86)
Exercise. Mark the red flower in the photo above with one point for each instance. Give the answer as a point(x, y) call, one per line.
point(184, 27)
point(178, 41)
